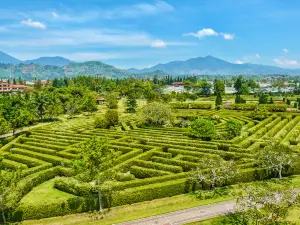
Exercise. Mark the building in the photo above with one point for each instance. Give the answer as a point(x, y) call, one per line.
point(100, 101)
point(6, 87)
point(177, 84)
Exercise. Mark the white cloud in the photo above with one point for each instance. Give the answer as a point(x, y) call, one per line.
point(203, 33)
point(210, 32)
point(35, 24)
point(239, 62)
point(228, 36)
point(285, 50)
point(286, 62)
point(257, 56)
point(54, 14)
point(158, 44)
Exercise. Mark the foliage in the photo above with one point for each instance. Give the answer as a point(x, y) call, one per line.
point(131, 103)
point(100, 122)
point(204, 88)
point(111, 101)
point(276, 157)
point(266, 203)
point(203, 129)
point(218, 173)
point(8, 182)
point(4, 126)
point(233, 128)
point(263, 98)
point(259, 113)
point(89, 104)
point(157, 114)
point(112, 117)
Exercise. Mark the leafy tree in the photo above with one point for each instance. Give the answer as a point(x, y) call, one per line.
point(73, 106)
point(203, 129)
point(219, 99)
point(97, 163)
point(89, 104)
point(276, 157)
point(233, 128)
point(112, 117)
point(266, 203)
point(41, 101)
point(219, 87)
point(37, 85)
point(205, 88)
point(167, 97)
point(181, 97)
point(252, 85)
point(131, 103)
point(111, 101)
point(8, 182)
point(100, 122)
point(157, 114)
point(4, 126)
point(19, 118)
point(218, 172)
point(263, 98)
point(193, 97)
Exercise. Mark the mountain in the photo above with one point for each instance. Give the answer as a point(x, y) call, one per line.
point(53, 61)
point(92, 68)
point(5, 58)
point(210, 65)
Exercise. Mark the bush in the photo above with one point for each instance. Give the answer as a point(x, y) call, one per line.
point(100, 122)
point(244, 107)
point(275, 107)
point(200, 106)
point(203, 129)
point(157, 114)
point(73, 186)
point(233, 128)
point(141, 172)
point(112, 117)
point(177, 105)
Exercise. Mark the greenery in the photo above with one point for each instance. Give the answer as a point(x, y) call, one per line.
point(203, 129)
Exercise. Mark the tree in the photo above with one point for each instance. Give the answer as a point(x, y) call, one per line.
point(111, 101)
point(181, 97)
point(218, 172)
point(266, 202)
point(263, 98)
point(233, 128)
point(37, 85)
point(219, 87)
point(276, 157)
point(166, 97)
point(203, 129)
point(41, 101)
point(259, 113)
point(89, 104)
point(112, 117)
point(73, 106)
point(219, 99)
point(157, 114)
point(96, 163)
point(4, 126)
point(131, 103)
point(193, 97)
point(205, 88)
point(252, 85)
point(8, 183)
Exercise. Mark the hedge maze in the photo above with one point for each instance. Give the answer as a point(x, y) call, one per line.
point(154, 163)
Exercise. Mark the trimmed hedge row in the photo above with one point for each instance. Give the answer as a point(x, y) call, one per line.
point(158, 166)
point(244, 107)
point(73, 186)
point(195, 105)
point(141, 172)
point(186, 166)
point(274, 107)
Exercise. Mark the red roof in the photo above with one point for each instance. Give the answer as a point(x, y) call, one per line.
point(177, 83)
point(100, 99)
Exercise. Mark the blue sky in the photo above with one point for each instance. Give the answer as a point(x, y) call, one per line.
point(131, 33)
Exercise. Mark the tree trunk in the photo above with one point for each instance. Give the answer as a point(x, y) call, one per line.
point(3, 217)
point(100, 201)
point(280, 173)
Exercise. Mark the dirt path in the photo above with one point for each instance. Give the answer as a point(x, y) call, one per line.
point(186, 216)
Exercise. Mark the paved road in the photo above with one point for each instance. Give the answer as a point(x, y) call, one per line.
point(186, 216)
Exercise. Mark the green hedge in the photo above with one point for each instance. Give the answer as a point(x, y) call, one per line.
point(177, 105)
point(274, 107)
point(73, 186)
point(141, 172)
point(197, 105)
point(158, 166)
point(244, 107)
point(52, 209)
point(186, 166)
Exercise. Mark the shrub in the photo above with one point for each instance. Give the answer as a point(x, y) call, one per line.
point(72, 186)
point(140, 172)
point(157, 114)
point(100, 122)
point(200, 106)
point(275, 107)
point(203, 129)
point(112, 117)
point(233, 128)
point(177, 105)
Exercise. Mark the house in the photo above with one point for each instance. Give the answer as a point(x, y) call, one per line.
point(6, 87)
point(177, 84)
point(100, 101)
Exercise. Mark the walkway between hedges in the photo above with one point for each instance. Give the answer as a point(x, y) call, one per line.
point(186, 216)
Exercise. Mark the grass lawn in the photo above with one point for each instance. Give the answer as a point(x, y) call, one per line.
point(132, 212)
point(45, 192)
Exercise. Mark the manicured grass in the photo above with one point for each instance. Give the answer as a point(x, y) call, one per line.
point(132, 212)
point(45, 192)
